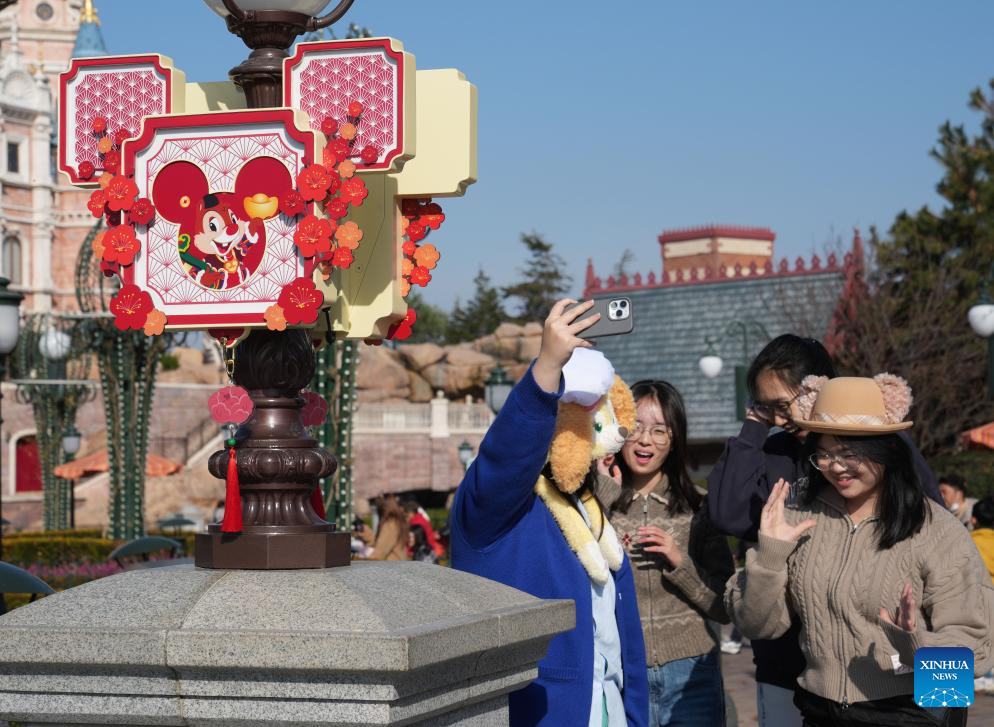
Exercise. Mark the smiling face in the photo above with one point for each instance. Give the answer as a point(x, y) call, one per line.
point(648, 447)
point(220, 229)
point(777, 402)
point(854, 477)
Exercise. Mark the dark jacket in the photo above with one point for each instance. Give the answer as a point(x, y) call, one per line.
point(501, 530)
point(739, 486)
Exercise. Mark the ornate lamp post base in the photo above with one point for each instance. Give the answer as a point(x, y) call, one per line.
point(278, 464)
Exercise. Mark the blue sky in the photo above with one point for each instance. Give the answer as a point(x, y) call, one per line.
point(601, 130)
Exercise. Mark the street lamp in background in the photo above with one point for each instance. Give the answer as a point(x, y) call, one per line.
point(465, 454)
point(981, 318)
point(496, 388)
point(711, 364)
point(71, 442)
point(10, 330)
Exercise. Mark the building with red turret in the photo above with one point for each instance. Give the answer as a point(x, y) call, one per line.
point(720, 290)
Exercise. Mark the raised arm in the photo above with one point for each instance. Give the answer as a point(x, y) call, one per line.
point(498, 487)
point(738, 485)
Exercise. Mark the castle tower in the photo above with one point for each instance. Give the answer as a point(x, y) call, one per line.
point(43, 220)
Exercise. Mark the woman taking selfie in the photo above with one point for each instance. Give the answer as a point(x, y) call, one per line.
point(680, 561)
point(870, 567)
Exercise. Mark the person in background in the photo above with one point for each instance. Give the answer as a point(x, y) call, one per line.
point(869, 566)
point(953, 491)
point(768, 449)
point(418, 547)
point(390, 541)
point(983, 537)
point(680, 560)
point(417, 517)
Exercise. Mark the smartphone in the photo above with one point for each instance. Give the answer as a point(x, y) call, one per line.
point(617, 318)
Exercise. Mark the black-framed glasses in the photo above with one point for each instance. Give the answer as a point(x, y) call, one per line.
point(658, 433)
point(769, 411)
point(823, 460)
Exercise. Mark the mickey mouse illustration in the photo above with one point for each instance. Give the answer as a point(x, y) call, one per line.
point(222, 235)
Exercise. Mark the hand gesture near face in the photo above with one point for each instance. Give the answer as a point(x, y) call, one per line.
point(904, 617)
point(608, 466)
point(560, 337)
point(772, 522)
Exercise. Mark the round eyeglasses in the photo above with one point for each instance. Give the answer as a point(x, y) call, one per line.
point(823, 460)
point(658, 434)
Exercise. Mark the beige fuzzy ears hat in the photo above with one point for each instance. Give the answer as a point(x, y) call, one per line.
point(854, 406)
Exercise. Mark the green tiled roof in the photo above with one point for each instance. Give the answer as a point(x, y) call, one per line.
point(671, 323)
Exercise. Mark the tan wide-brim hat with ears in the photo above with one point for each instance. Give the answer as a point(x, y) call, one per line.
point(854, 406)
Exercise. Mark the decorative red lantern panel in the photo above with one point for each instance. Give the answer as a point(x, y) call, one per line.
point(111, 96)
point(219, 251)
point(340, 80)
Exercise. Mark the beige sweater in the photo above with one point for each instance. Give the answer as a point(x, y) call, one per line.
point(674, 603)
point(836, 581)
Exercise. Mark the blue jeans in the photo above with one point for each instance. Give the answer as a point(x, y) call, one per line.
point(687, 693)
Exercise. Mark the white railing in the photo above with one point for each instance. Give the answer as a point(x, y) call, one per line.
point(440, 418)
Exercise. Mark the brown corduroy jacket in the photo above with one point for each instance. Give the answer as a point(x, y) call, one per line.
point(836, 580)
point(674, 603)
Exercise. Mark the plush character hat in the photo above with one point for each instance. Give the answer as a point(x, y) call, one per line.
point(855, 406)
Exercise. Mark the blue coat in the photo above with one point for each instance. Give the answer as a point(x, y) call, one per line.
point(501, 530)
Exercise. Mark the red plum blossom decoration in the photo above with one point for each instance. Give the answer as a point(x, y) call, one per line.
point(300, 301)
point(230, 405)
point(131, 307)
point(315, 409)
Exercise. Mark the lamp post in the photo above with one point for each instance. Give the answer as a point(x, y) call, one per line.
point(496, 388)
point(10, 330)
point(71, 442)
point(711, 364)
point(465, 455)
point(269, 27)
point(981, 319)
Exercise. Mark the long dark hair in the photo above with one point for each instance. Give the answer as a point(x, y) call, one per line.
point(791, 358)
point(902, 508)
point(683, 495)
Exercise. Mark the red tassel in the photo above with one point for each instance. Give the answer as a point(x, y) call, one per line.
point(317, 502)
point(232, 522)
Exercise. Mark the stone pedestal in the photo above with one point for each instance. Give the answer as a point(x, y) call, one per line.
point(372, 644)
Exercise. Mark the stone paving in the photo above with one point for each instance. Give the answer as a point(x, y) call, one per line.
point(740, 684)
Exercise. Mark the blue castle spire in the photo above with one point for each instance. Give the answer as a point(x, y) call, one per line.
point(89, 40)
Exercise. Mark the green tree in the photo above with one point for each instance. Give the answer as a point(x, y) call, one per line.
point(909, 317)
point(433, 322)
point(481, 316)
point(544, 280)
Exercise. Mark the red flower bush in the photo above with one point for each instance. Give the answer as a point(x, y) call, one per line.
point(402, 331)
point(339, 149)
point(230, 405)
point(86, 170)
point(292, 203)
point(142, 211)
point(97, 202)
point(300, 301)
point(99, 124)
point(369, 155)
point(431, 215)
point(120, 135)
point(355, 108)
point(120, 245)
point(336, 208)
point(410, 248)
point(420, 276)
point(342, 258)
point(112, 161)
point(329, 126)
point(354, 191)
point(417, 230)
point(121, 193)
point(130, 307)
point(313, 235)
point(313, 183)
